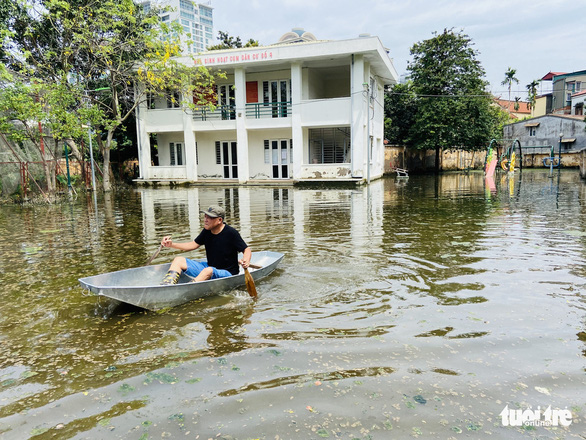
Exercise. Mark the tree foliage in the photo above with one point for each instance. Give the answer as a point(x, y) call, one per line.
point(510, 78)
point(400, 111)
point(532, 93)
point(91, 54)
point(452, 109)
point(229, 42)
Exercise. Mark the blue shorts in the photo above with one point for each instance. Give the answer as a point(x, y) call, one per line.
point(195, 267)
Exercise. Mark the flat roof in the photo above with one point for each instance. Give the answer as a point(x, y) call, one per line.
point(320, 53)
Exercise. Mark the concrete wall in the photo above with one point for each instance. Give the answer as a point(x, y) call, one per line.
point(548, 132)
point(424, 161)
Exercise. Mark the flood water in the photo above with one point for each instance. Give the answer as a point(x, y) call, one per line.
point(408, 308)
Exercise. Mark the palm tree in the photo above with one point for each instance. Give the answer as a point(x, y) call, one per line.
point(509, 79)
point(517, 103)
point(532, 93)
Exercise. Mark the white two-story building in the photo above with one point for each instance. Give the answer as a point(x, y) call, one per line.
point(299, 110)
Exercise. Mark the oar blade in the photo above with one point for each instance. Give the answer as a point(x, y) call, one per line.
point(250, 287)
point(154, 255)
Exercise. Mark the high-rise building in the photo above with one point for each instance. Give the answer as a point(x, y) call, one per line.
point(195, 18)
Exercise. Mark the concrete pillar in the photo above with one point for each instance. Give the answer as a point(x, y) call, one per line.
point(143, 140)
point(189, 141)
point(358, 117)
point(241, 132)
point(296, 128)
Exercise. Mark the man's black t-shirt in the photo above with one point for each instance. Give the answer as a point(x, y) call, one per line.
point(222, 249)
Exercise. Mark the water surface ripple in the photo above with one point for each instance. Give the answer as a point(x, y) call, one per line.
point(408, 308)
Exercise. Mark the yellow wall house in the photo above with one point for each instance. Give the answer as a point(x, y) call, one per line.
point(298, 110)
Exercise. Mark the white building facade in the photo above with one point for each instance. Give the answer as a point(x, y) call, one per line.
point(302, 111)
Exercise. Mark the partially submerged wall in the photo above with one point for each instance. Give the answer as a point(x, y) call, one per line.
point(421, 161)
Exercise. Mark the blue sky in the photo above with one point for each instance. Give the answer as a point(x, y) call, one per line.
point(531, 36)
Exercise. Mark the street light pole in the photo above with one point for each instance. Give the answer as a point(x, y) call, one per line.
point(90, 136)
point(560, 151)
point(67, 165)
point(92, 159)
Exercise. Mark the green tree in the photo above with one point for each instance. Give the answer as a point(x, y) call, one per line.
point(400, 111)
point(107, 57)
point(510, 78)
point(229, 42)
point(532, 93)
point(453, 110)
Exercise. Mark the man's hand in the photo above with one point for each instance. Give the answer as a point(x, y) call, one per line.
point(166, 241)
point(245, 264)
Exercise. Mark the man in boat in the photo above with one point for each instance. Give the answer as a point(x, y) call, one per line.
point(222, 243)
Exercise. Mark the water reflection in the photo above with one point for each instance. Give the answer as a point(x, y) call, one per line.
point(395, 302)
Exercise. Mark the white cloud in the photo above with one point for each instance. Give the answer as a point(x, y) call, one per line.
point(532, 36)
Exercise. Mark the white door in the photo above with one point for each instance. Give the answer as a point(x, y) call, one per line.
point(280, 158)
point(229, 159)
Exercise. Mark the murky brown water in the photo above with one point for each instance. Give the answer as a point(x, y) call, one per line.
point(416, 308)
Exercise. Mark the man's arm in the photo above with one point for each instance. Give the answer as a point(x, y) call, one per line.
point(246, 255)
point(188, 246)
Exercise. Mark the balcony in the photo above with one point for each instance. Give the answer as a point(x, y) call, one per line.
point(262, 110)
point(335, 111)
point(220, 113)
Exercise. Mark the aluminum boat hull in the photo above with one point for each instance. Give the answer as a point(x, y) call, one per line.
point(140, 286)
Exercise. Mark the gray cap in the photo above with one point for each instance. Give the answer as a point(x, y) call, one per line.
point(215, 211)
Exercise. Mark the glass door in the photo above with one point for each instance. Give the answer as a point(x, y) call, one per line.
point(227, 101)
point(277, 93)
point(230, 159)
point(280, 158)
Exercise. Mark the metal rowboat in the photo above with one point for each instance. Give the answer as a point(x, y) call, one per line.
point(140, 286)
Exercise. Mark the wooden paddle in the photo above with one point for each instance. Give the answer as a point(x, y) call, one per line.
point(250, 283)
point(154, 255)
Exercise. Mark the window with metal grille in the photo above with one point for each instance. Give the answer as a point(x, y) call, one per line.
point(329, 145)
point(179, 148)
point(218, 153)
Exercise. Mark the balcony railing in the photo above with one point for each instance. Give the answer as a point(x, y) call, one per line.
point(253, 110)
point(268, 110)
point(221, 113)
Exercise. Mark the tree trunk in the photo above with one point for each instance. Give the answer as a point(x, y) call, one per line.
point(74, 150)
point(437, 159)
point(105, 149)
point(78, 156)
point(57, 155)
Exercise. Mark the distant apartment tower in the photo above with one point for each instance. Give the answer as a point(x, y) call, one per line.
point(196, 19)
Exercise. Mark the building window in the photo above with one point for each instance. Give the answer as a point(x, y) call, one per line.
point(175, 154)
point(329, 145)
point(173, 100)
point(187, 5)
point(218, 153)
point(150, 101)
point(187, 15)
point(267, 151)
point(532, 131)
